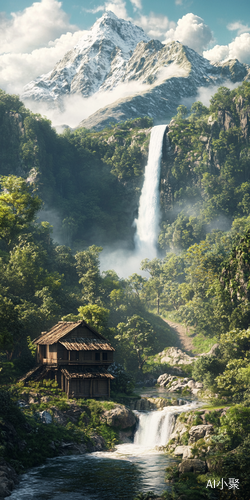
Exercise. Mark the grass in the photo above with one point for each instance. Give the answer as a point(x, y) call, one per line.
point(202, 343)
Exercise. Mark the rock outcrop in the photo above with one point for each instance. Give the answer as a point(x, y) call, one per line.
point(8, 479)
point(119, 416)
point(199, 431)
point(175, 356)
point(178, 384)
point(192, 465)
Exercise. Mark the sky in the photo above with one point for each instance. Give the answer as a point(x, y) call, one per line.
point(35, 35)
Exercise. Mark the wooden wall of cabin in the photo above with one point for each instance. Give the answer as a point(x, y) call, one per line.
point(62, 353)
point(88, 388)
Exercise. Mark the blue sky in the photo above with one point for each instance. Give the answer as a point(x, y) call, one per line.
point(217, 14)
point(34, 36)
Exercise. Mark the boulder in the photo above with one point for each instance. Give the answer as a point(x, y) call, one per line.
point(98, 443)
point(184, 451)
point(198, 385)
point(175, 356)
point(192, 465)
point(165, 378)
point(45, 417)
point(119, 417)
point(199, 431)
point(126, 436)
point(79, 449)
point(188, 452)
point(8, 479)
point(72, 414)
point(179, 429)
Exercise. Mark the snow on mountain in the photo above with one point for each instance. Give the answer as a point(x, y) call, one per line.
point(95, 63)
point(115, 52)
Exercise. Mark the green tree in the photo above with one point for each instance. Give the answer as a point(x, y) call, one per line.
point(137, 334)
point(18, 206)
point(155, 282)
point(87, 265)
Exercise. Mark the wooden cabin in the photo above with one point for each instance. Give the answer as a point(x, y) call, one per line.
point(77, 357)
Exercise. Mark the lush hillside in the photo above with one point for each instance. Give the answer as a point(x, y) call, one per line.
point(92, 181)
point(206, 176)
point(82, 177)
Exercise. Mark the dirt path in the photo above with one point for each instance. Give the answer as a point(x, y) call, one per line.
point(185, 341)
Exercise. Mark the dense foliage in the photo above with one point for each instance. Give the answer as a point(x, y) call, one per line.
point(42, 283)
point(89, 179)
point(81, 176)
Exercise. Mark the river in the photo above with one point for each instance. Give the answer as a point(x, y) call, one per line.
point(116, 475)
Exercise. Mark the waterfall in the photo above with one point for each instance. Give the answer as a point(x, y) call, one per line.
point(154, 429)
point(147, 224)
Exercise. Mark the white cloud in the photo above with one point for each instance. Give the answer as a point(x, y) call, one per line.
point(100, 8)
point(217, 53)
point(191, 31)
point(238, 26)
point(34, 27)
point(77, 107)
point(173, 70)
point(118, 7)
point(204, 94)
point(155, 25)
point(32, 42)
point(17, 69)
point(136, 4)
point(239, 49)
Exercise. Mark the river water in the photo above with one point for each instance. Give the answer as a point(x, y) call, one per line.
point(116, 475)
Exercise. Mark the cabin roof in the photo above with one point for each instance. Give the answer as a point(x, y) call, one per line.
point(88, 372)
point(61, 329)
point(83, 344)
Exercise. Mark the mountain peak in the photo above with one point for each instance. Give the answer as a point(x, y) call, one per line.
point(100, 55)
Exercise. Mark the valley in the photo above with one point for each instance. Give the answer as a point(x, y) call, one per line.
point(135, 221)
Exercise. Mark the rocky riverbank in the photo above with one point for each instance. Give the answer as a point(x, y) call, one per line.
point(36, 426)
point(183, 385)
point(8, 479)
point(192, 437)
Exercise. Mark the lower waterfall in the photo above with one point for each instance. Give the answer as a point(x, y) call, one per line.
point(154, 429)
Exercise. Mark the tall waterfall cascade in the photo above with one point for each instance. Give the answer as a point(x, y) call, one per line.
point(147, 224)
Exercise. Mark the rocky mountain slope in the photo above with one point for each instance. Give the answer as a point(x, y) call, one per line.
point(116, 53)
point(96, 63)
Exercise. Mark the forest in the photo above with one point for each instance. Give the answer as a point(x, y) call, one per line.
point(92, 181)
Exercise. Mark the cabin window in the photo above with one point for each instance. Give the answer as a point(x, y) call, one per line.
point(97, 356)
point(104, 356)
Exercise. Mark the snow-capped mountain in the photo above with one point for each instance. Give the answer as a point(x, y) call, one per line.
point(95, 63)
point(116, 52)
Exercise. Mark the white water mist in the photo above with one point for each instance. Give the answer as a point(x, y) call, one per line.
point(147, 224)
